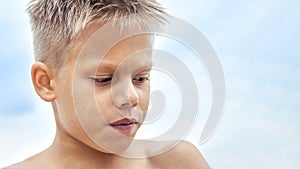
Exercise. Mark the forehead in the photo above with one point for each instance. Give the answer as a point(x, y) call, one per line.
point(109, 44)
point(134, 51)
point(132, 46)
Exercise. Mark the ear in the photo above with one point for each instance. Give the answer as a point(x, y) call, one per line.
point(43, 81)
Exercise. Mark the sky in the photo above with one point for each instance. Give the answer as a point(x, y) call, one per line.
point(258, 45)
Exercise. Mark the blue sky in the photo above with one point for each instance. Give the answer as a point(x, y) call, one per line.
point(258, 43)
point(15, 60)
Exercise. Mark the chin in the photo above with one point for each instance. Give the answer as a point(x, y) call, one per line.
point(116, 139)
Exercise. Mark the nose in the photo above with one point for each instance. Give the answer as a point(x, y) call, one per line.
point(125, 96)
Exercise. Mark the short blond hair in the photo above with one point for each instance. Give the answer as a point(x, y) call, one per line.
point(56, 23)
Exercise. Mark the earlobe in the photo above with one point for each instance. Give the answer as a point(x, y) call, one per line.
point(43, 81)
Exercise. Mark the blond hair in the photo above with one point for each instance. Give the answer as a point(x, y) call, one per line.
point(56, 23)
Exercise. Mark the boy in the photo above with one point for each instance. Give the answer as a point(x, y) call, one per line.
point(99, 93)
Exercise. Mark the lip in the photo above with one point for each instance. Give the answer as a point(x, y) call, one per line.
point(124, 125)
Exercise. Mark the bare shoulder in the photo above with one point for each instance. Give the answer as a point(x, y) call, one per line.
point(183, 155)
point(29, 163)
point(21, 165)
point(189, 156)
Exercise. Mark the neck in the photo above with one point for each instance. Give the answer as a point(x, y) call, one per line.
point(71, 153)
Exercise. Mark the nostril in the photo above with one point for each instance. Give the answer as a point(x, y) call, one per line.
point(125, 96)
point(125, 102)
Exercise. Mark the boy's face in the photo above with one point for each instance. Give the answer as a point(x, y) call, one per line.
point(102, 101)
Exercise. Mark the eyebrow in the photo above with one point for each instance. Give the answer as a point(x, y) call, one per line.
point(111, 68)
point(148, 65)
point(145, 67)
point(107, 67)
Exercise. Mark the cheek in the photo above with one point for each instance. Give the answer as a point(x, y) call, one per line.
point(78, 106)
point(144, 95)
point(104, 103)
point(66, 112)
point(64, 99)
point(94, 106)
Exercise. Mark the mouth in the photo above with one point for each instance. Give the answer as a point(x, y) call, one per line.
point(125, 125)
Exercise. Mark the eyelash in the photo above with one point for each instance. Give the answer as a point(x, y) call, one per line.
point(142, 79)
point(106, 80)
point(102, 80)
